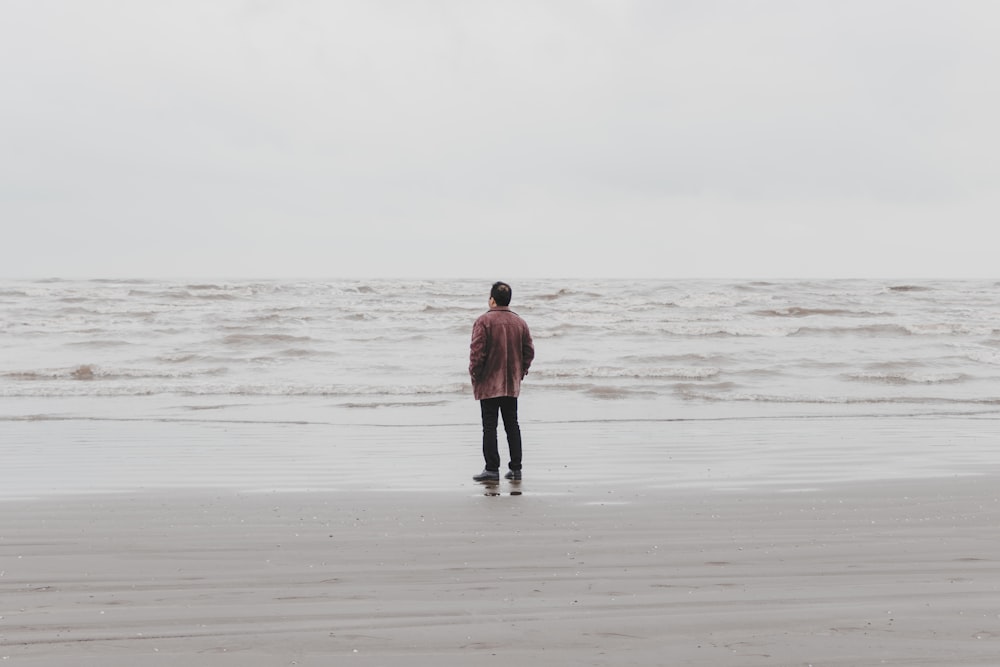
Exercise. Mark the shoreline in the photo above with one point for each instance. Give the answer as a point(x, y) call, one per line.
point(65, 457)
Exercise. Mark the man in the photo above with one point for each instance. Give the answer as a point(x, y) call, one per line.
point(499, 357)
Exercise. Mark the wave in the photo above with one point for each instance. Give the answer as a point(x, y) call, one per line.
point(702, 330)
point(697, 392)
point(393, 404)
point(283, 316)
point(565, 292)
point(796, 311)
point(186, 357)
point(874, 330)
point(92, 372)
point(904, 378)
point(297, 352)
point(225, 296)
point(748, 329)
point(77, 310)
point(651, 359)
point(101, 343)
point(93, 314)
point(983, 356)
point(612, 372)
point(712, 300)
point(909, 288)
point(559, 330)
point(949, 329)
point(891, 330)
point(257, 339)
point(84, 372)
point(138, 293)
point(687, 388)
point(553, 296)
point(120, 389)
point(185, 294)
point(429, 309)
point(615, 393)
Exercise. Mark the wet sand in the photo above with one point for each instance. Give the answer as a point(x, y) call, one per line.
point(785, 542)
point(901, 573)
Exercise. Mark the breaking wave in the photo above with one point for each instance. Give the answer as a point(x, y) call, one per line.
point(612, 372)
point(915, 377)
point(796, 311)
point(694, 393)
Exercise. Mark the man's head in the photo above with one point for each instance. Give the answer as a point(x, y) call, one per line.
point(501, 294)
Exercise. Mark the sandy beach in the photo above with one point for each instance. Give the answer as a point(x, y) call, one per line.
point(572, 566)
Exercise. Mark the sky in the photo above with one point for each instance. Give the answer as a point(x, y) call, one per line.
point(462, 138)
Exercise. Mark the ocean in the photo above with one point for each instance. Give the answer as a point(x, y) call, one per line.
point(617, 362)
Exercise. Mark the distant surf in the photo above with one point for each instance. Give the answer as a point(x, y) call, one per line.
point(623, 348)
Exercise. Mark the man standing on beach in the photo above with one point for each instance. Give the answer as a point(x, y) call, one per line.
point(499, 357)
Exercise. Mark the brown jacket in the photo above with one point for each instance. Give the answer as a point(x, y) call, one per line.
point(500, 353)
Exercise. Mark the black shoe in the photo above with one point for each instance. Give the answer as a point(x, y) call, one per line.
point(487, 476)
point(513, 475)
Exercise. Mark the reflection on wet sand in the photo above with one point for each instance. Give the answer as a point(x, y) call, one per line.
point(494, 489)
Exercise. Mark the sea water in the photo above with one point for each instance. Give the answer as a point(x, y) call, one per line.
point(612, 356)
point(393, 349)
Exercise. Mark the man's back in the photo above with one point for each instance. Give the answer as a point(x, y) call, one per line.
point(500, 354)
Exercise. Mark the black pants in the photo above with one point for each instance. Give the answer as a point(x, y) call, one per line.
point(506, 406)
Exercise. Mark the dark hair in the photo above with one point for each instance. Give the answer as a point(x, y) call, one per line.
point(501, 293)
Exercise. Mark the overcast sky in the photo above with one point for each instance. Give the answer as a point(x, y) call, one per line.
point(285, 138)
